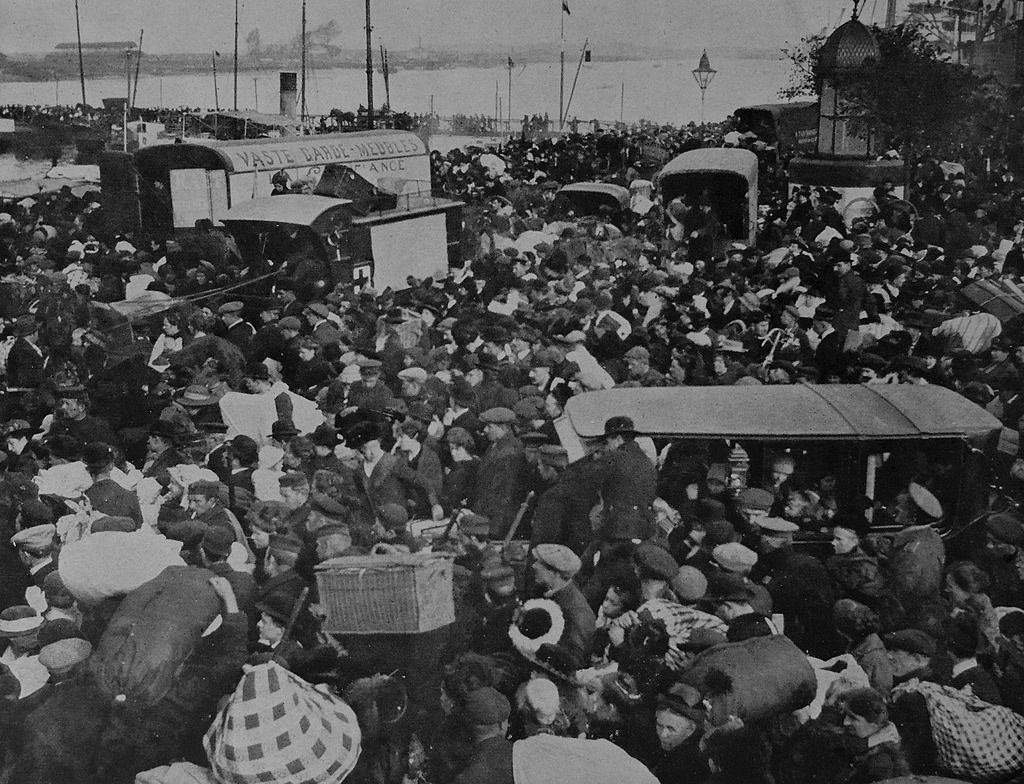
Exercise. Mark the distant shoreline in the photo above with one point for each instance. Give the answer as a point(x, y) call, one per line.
point(39, 68)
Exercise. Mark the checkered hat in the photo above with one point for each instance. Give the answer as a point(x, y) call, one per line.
point(277, 727)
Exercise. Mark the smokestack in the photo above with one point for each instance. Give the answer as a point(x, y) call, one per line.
point(289, 93)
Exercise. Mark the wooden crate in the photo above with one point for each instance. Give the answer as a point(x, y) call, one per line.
point(386, 594)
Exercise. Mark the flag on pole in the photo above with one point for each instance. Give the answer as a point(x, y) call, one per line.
point(586, 56)
point(565, 7)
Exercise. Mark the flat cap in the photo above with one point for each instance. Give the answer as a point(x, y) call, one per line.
point(531, 407)
point(559, 558)
point(293, 479)
point(368, 364)
point(718, 532)
point(64, 654)
point(655, 560)
point(777, 525)
point(230, 307)
point(319, 309)
point(734, 557)
point(498, 416)
point(689, 584)
point(217, 540)
point(290, 322)
point(754, 498)
point(638, 352)
point(487, 705)
point(552, 454)
point(416, 374)
point(472, 524)
point(1006, 528)
point(38, 537)
point(911, 641)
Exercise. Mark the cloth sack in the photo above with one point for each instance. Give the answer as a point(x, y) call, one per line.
point(114, 563)
point(278, 729)
point(546, 758)
point(152, 634)
point(974, 739)
point(770, 675)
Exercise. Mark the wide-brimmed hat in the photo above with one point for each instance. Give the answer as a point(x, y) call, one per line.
point(197, 395)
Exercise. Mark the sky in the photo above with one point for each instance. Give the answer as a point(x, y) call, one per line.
point(204, 25)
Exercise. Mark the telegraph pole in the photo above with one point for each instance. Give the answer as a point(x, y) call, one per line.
point(303, 115)
point(236, 57)
point(369, 68)
point(561, 67)
point(81, 62)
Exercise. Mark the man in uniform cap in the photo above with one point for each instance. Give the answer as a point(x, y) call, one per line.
point(501, 479)
point(801, 587)
point(554, 566)
point(486, 711)
point(627, 480)
point(236, 330)
point(35, 549)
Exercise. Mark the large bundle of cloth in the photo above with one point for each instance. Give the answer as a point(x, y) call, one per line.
point(152, 633)
point(114, 563)
point(278, 729)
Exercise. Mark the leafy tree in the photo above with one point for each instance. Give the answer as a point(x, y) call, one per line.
point(913, 96)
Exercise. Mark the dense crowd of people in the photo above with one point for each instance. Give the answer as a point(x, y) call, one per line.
point(161, 399)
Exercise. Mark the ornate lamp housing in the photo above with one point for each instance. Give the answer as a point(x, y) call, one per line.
point(704, 73)
point(850, 46)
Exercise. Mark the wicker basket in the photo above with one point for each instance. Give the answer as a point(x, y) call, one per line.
point(386, 594)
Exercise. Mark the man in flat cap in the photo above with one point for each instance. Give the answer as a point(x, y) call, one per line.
point(998, 557)
point(369, 391)
point(486, 712)
point(236, 330)
point(639, 370)
point(502, 477)
point(322, 329)
point(554, 567)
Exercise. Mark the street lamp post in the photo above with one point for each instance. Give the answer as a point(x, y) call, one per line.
point(703, 74)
